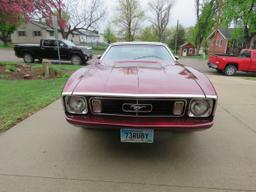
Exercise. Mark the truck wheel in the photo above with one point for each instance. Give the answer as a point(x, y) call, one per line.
point(28, 58)
point(76, 60)
point(230, 70)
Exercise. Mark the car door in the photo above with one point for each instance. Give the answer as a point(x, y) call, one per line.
point(49, 49)
point(253, 61)
point(245, 60)
point(64, 51)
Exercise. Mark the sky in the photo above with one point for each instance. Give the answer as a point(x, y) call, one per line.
point(183, 10)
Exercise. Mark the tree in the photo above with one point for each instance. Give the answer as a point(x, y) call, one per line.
point(129, 18)
point(161, 10)
point(12, 14)
point(206, 23)
point(109, 35)
point(181, 37)
point(148, 34)
point(243, 15)
point(72, 15)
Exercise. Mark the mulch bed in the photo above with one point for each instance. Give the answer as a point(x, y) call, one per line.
point(26, 72)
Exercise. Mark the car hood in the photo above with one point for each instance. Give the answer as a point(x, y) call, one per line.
point(138, 78)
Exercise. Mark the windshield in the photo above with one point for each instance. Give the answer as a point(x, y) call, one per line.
point(69, 43)
point(138, 52)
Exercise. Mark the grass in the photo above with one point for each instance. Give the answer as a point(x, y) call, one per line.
point(250, 78)
point(9, 46)
point(98, 51)
point(20, 98)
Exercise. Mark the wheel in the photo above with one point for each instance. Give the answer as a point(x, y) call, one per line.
point(76, 60)
point(28, 58)
point(230, 70)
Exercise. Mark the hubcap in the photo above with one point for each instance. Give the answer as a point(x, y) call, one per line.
point(76, 60)
point(230, 70)
point(28, 58)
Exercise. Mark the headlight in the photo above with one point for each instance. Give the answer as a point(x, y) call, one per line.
point(200, 108)
point(76, 104)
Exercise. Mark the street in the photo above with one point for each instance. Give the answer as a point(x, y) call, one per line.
point(45, 153)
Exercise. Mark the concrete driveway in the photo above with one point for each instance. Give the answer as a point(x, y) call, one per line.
point(8, 55)
point(44, 153)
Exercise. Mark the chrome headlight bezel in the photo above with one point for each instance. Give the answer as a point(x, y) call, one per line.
point(208, 103)
point(84, 105)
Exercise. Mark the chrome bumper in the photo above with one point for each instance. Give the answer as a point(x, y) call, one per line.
point(211, 65)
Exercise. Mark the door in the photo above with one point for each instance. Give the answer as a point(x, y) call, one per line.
point(64, 51)
point(49, 49)
point(253, 62)
point(184, 52)
point(245, 60)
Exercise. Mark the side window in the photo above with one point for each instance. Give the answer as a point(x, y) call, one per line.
point(245, 54)
point(49, 43)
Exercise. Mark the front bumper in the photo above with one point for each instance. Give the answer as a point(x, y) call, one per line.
point(142, 122)
point(212, 65)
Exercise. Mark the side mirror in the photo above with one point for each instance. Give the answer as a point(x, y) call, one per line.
point(176, 57)
point(98, 56)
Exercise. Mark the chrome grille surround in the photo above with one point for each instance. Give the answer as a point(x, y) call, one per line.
point(138, 101)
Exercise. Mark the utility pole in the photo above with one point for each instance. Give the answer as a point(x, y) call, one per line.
point(217, 25)
point(56, 29)
point(176, 37)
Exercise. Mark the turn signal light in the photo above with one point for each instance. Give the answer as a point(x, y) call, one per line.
point(178, 108)
point(96, 106)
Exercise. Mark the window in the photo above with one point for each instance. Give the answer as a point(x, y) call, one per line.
point(217, 43)
point(21, 33)
point(221, 42)
point(49, 43)
point(137, 52)
point(51, 33)
point(37, 33)
point(245, 54)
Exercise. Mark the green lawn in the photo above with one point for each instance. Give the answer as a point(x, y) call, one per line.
point(20, 98)
point(97, 52)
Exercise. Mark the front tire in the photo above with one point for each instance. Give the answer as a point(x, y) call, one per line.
point(76, 60)
point(28, 58)
point(230, 70)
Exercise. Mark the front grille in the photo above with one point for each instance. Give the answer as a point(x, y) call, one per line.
point(149, 107)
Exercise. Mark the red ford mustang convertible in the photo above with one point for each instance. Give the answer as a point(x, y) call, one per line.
point(138, 88)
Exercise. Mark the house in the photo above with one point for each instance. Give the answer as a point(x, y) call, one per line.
point(34, 31)
point(221, 42)
point(91, 37)
point(187, 49)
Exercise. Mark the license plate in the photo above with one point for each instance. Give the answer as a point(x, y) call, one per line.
point(137, 135)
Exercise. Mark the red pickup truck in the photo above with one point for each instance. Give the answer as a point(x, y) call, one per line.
point(246, 62)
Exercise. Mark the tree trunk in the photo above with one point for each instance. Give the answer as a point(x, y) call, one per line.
point(4, 37)
point(252, 42)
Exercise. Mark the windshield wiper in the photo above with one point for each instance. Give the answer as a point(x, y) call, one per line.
point(142, 57)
